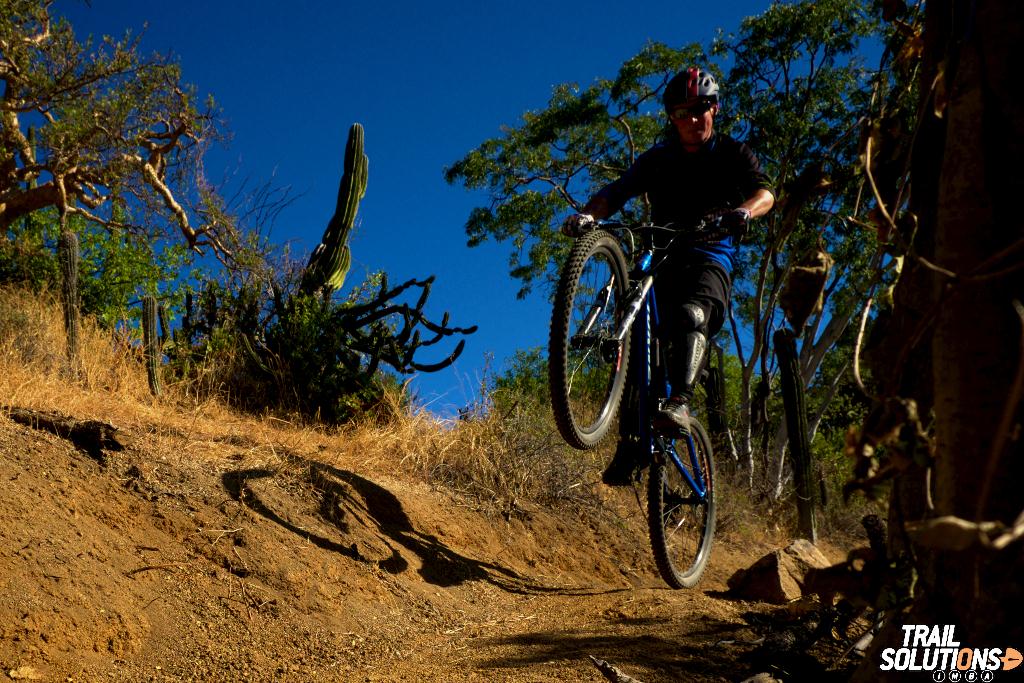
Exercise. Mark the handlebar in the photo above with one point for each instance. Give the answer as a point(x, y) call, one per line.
point(706, 230)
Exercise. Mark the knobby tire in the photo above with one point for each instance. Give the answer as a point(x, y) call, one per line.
point(682, 532)
point(574, 392)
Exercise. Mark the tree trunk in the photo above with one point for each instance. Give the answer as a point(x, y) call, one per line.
point(796, 422)
point(968, 198)
point(746, 457)
point(977, 341)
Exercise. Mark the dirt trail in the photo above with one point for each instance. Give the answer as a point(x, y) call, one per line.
point(212, 558)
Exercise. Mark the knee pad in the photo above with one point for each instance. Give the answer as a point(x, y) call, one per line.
point(690, 348)
point(693, 318)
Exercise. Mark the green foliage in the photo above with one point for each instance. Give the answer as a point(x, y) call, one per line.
point(733, 370)
point(327, 377)
point(116, 139)
point(524, 379)
point(797, 93)
point(28, 255)
point(264, 344)
point(273, 335)
point(117, 152)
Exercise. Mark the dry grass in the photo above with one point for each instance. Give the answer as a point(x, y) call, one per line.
point(32, 361)
point(500, 462)
point(111, 384)
point(745, 514)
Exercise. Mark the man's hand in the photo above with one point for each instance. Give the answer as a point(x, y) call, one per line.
point(734, 222)
point(577, 224)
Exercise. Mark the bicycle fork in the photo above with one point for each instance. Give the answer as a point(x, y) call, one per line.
point(635, 302)
point(603, 297)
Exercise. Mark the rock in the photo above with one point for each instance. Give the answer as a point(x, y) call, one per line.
point(92, 436)
point(778, 577)
point(25, 673)
point(610, 672)
point(762, 678)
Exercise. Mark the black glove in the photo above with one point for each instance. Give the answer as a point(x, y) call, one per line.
point(732, 222)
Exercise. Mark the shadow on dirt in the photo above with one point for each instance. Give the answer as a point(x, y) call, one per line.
point(345, 499)
point(710, 649)
point(674, 654)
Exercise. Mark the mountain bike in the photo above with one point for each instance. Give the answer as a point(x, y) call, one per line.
point(605, 324)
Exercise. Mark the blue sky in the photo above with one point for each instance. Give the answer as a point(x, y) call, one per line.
point(429, 82)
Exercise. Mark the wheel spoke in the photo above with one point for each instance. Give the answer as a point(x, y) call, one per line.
point(577, 368)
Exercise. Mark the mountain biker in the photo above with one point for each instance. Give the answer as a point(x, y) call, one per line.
point(695, 173)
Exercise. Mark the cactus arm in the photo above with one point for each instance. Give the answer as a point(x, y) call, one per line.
point(440, 365)
point(330, 261)
point(151, 342)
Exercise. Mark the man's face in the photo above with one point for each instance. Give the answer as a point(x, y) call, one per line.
point(694, 122)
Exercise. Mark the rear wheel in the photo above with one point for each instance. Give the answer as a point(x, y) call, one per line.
point(682, 523)
point(587, 366)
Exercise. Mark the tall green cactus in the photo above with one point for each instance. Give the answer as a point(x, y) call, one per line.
point(329, 263)
point(151, 342)
point(67, 254)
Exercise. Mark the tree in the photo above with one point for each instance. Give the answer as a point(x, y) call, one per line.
point(954, 344)
point(94, 129)
point(799, 93)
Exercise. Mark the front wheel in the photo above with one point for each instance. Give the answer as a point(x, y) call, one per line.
point(586, 364)
point(681, 521)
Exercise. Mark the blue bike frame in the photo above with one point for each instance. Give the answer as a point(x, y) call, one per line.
point(643, 310)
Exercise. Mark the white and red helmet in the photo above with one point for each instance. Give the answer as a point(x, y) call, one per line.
point(688, 86)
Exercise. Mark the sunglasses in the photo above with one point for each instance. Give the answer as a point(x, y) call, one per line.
point(698, 109)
